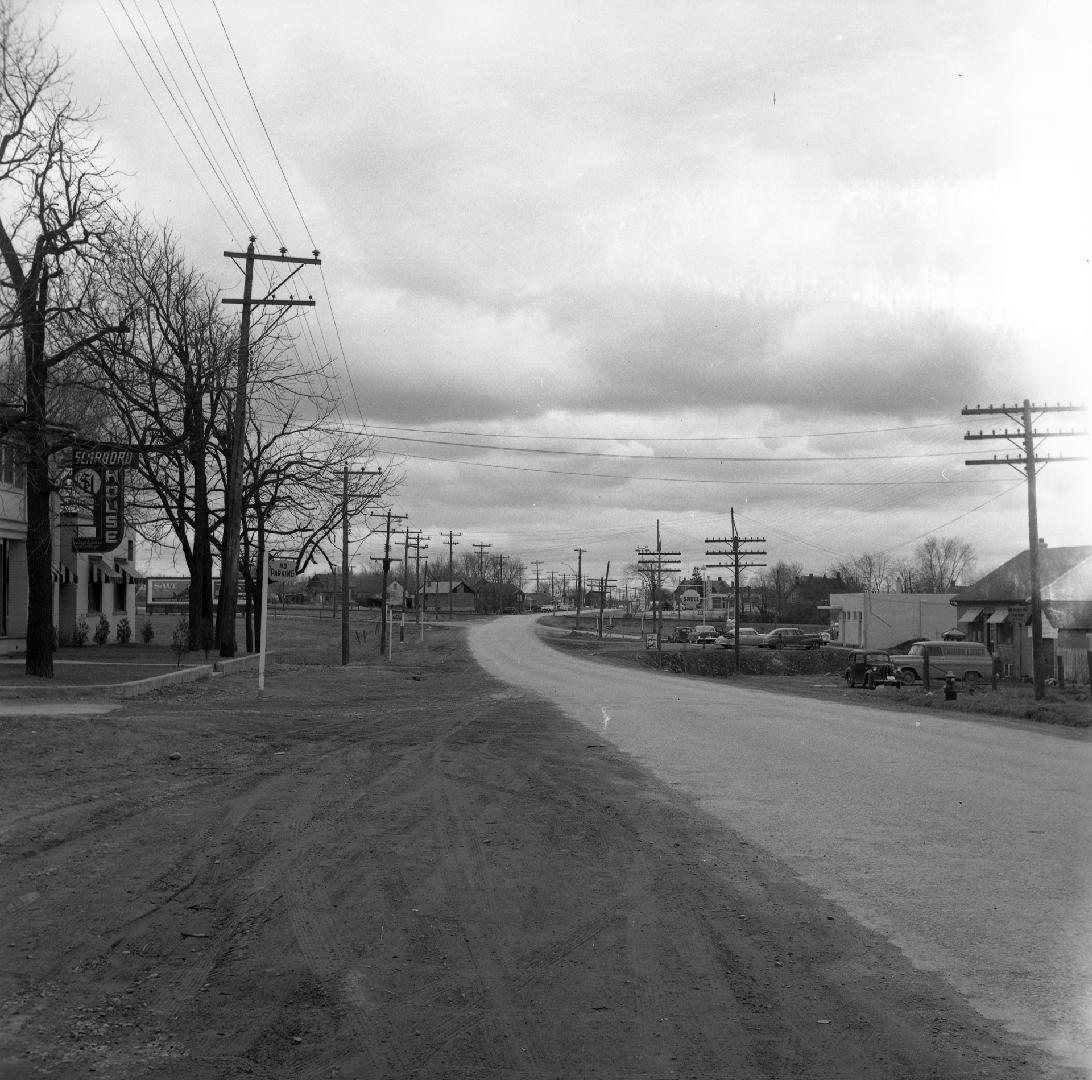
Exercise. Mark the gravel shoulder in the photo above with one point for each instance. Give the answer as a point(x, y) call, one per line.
point(411, 870)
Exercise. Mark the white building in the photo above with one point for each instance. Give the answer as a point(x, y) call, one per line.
point(87, 585)
point(880, 620)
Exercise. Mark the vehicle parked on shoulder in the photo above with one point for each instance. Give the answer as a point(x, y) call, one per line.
point(748, 635)
point(704, 635)
point(966, 660)
point(681, 635)
point(871, 668)
point(789, 637)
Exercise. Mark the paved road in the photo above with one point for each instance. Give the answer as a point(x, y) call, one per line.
point(967, 844)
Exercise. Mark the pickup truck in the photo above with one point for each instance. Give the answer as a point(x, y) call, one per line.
point(789, 637)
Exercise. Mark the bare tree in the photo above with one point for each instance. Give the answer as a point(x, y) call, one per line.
point(942, 562)
point(868, 572)
point(54, 213)
point(782, 579)
point(168, 385)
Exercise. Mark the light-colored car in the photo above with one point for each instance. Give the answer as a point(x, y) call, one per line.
point(748, 635)
point(704, 635)
point(966, 660)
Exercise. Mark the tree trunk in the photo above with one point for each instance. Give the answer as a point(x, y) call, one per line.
point(39, 661)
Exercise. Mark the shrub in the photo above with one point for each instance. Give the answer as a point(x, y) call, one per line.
point(80, 633)
point(180, 639)
point(147, 631)
point(124, 630)
point(102, 631)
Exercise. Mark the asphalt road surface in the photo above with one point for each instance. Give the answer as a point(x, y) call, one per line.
point(966, 843)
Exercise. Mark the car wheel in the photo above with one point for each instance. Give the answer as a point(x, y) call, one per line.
point(909, 677)
point(971, 678)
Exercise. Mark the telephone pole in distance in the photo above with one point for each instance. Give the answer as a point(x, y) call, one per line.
point(739, 549)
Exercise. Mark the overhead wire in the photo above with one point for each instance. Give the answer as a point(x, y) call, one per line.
point(163, 69)
point(170, 129)
point(219, 117)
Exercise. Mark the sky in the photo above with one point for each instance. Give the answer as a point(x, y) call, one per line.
point(589, 267)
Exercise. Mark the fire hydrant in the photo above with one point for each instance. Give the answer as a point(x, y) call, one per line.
point(949, 687)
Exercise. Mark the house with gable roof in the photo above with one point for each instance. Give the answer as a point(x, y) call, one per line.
point(996, 610)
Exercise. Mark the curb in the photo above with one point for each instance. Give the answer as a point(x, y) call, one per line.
point(139, 688)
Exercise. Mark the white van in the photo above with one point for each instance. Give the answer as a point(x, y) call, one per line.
point(966, 660)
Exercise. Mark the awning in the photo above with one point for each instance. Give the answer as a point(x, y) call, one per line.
point(63, 574)
point(999, 616)
point(970, 616)
point(98, 569)
point(127, 576)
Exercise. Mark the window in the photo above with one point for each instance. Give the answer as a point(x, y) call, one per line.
point(119, 595)
point(94, 592)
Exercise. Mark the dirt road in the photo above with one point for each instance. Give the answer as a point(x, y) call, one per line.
point(413, 871)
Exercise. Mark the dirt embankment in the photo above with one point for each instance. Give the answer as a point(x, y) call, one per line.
point(413, 871)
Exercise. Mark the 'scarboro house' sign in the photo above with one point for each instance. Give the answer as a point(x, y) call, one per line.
point(99, 472)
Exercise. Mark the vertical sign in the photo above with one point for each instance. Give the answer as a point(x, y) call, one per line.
point(100, 474)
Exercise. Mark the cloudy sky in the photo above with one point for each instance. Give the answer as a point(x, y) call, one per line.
point(591, 265)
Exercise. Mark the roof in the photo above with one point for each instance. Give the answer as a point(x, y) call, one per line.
point(1065, 573)
point(442, 588)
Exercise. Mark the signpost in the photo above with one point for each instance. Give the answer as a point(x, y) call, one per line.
point(277, 568)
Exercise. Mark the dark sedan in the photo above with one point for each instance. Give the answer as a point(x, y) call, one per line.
point(871, 668)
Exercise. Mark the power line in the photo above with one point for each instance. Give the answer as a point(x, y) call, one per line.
point(668, 457)
point(219, 117)
point(720, 481)
point(261, 120)
point(669, 438)
point(206, 151)
point(167, 125)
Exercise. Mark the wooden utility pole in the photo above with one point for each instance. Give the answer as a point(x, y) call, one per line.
point(345, 557)
point(579, 581)
point(1028, 462)
point(654, 563)
point(605, 583)
point(481, 571)
point(233, 527)
point(451, 573)
point(386, 568)
point(739, 550)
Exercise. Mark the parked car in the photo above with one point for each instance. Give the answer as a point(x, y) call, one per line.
point(681, 634)
point(548, 609)
point(704, 635)
point(789, 637)
point(871, 668)
point(966, 660)
point(748, 635)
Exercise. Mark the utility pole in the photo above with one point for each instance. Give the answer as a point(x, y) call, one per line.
point(451, 573)
point(227, 601)
point(481, 571)
point(739, 550)
point(415, 539)
point(536, 563)
point(654, 563)
point(579, 581)
point(345, 556)
point(386, 568)
point(500, 584)
point(1027, 462)
point(605, 582)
